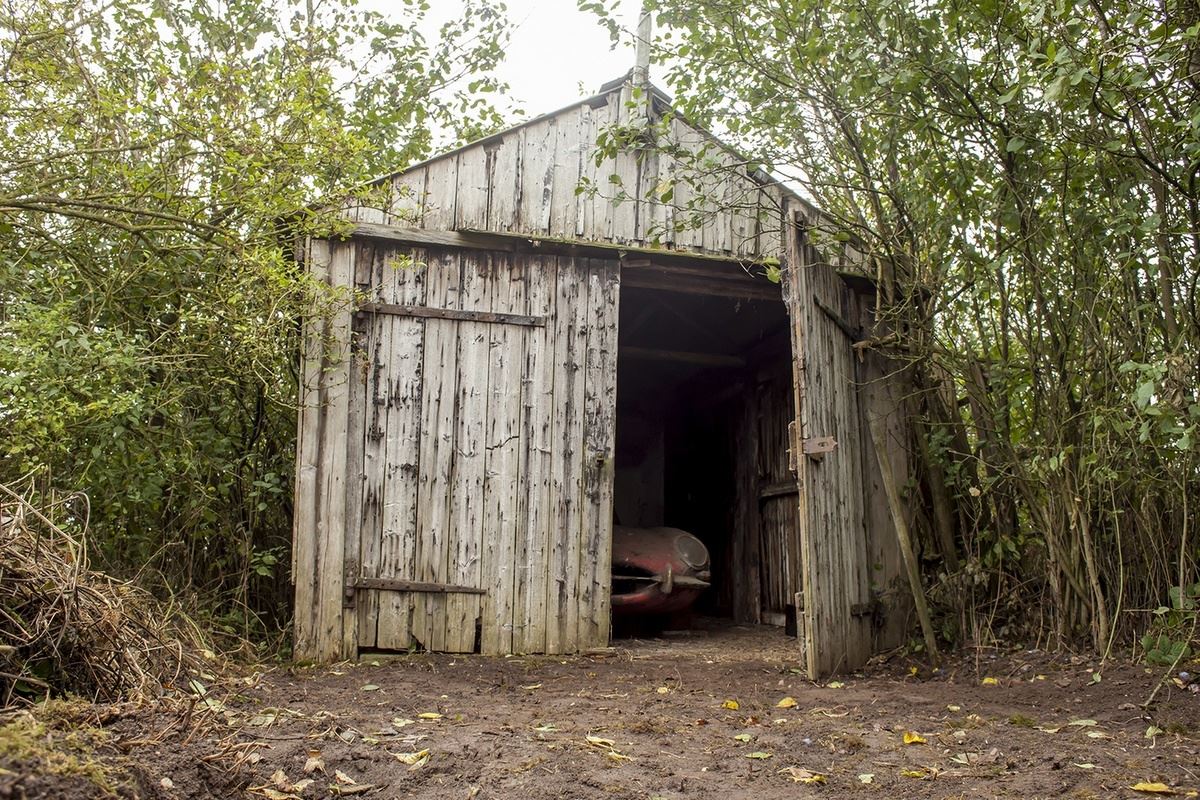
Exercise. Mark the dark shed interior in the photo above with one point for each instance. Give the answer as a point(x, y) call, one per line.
point(704, 397)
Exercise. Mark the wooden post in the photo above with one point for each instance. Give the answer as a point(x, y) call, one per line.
point(902, 534)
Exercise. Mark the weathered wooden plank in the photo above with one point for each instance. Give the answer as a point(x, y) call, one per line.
point(536, 507)
point(536, 184)
point(562, 600)
point(504, 183)
point(331, 637)
point(745, 547)
point(623, 207)
point(476, 239)
point(397, 585)
point(438, 443)
point(465, 529)
point(315, 256)
point(401, 392)
point(745, 290)
point(406, 205)
point(504, 450)
point(441, 194)
point(474, 176)
point(883, 396)
point(360, 542)
point(451, 313)
point(600, 406)
point(569, 153)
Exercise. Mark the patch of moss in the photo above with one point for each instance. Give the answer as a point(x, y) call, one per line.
point(49, 741)
point(1022, 721)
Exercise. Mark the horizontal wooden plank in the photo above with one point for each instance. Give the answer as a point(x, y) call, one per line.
point(743, 290)
point(780, 489)
point(452, 313)
point(473, 239)
point(682, 356)
point(392, 585)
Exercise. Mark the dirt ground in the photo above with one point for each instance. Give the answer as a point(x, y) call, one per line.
point(722, 713)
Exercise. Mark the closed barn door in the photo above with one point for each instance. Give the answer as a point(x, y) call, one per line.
point(480, 438)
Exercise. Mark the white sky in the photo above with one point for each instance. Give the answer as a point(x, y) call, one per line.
point(557, 53)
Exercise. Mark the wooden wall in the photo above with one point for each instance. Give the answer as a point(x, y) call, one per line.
point(524, 180)
point(463, 440)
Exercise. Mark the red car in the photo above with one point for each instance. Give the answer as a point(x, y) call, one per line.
point(657, 570)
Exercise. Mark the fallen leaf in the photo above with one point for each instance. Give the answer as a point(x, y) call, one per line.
point(599, 741)
point(977, 758)
point(273, 794)
point(953, 708)
point(546, 728)
point(343, 778)
point(663, 690)
point(1085, 765)
point(314, 762)
point(1049, 728)
point(412, 759)
point(1096, 678)
point(990, 682)
point(280, 779)
point(1098, 735)
point(914, 773)
point(787, 702)
point(835, 685)
point(866, 777)
point(801, 775)
point(732, 705)
point(400, 722)
point(1152, 788)
point(300, 786)
point(1153, 731)
point(616, 755)
point(912, 737)
point(167, 783)
point(743, 737)
point(370, 687)
point(758, 754)
point(1083, 723)
point(429, 715)
point(531, 687)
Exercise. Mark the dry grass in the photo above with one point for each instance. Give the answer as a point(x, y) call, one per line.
point(66, 629)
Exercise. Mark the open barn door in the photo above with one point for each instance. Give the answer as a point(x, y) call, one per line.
point(474, 424)
point(828, 450)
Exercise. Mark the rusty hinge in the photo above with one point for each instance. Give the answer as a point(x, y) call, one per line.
point(815, 447)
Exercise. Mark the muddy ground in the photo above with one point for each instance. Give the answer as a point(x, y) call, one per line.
point(707, 715)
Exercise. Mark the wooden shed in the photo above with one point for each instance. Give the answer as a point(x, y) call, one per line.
point(523, 361)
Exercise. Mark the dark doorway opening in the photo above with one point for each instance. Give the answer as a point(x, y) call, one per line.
point(704, 398)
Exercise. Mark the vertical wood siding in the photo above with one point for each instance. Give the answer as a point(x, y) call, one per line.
point(461, 452)
point(526, 181)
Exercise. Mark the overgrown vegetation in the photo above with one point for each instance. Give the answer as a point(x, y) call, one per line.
point(70, 630)
point(1030, 169)
point(156, 158)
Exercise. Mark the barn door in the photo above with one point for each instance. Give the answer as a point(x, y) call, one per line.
point(483, 400)
point(835, 567)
